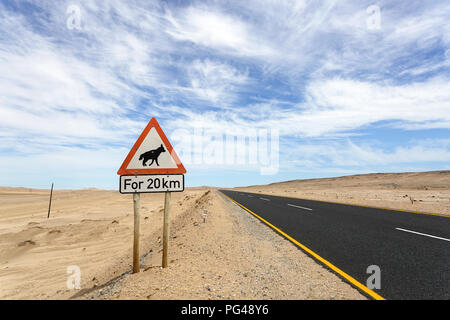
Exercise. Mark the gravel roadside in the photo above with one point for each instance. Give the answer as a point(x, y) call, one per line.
point(230, 256)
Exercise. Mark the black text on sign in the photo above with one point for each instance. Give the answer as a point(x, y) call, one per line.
point(152, 183)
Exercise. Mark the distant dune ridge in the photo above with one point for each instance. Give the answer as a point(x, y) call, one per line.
point(417, 191)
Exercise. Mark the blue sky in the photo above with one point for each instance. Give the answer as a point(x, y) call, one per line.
point(347, 90)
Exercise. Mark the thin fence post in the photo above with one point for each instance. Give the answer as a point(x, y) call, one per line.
point(50, 202)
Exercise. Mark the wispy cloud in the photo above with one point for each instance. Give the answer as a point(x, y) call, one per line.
point(311, 69)
point(216, 30)
point(350, 154)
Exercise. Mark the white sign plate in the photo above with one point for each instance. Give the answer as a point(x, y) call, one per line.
point(152, 183)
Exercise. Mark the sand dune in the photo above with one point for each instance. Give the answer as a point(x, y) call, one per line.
point(417, 191)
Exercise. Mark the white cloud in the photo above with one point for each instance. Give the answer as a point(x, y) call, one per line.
point(351, 154)
point(338, 106)
point(344, 105)
point(214, 81)
point(218, 31)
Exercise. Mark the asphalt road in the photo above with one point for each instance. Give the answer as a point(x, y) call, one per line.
point(412, 250)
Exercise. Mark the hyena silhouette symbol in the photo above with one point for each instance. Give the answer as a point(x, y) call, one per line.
point(152, 155)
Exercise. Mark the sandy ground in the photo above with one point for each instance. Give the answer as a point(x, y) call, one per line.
point(419, 191)
point(230, 256)
point(92, 229)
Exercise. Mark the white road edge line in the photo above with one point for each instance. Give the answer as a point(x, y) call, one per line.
point(422, 234)
point(265, 199)
point(293, 205)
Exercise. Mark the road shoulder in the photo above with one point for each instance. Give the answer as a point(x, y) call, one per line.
point(230, 256)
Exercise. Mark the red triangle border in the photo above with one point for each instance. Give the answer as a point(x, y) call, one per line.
point(152, 124)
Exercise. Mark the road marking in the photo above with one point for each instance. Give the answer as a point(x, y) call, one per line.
point(423, 234)
point(293, 205)
point(264, 199)
point(346, 276)
point(373, 207)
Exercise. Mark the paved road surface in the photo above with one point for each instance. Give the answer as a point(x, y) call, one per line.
point(412, 250)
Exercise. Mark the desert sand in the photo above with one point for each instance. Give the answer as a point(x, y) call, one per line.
point(230, 255)
point(91, 229)
point(427, 192)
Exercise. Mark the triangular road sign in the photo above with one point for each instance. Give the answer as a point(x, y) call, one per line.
point(151, 154)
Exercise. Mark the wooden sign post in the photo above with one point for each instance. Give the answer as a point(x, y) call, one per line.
point(151, 166)
point(137, 231)
point(166, 229)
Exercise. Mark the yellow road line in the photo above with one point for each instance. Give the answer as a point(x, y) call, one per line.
point(364, 206)
point(346, 276)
